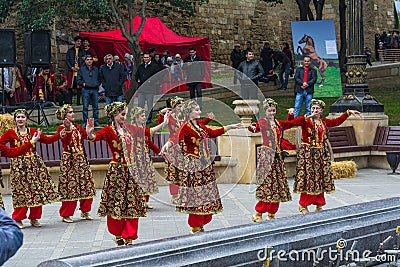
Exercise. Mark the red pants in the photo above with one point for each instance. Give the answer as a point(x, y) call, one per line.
point(195, 220)
point(127, 228)
point(68, 207)
point(306, 199)
point(173, 189)
point(270, 207)
point(147, 197)
point(35, 213)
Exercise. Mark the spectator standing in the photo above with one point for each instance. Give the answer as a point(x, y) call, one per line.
point(179, 65)
point(195, 74)
point(152, 53)
point(112, 79)
point(89, 50)
point(283, 62)
point(88, 78)
point(165, 56)
point(248, 48)
point(158, 62)
point(266, 58)
point(145, 85)
point(11, 237)
point(43, 89)
point(305, 78)
point(59, 81)
point(74, 60)
point(8, 78)
point(128, 69)
point(236, 58)
point(252, 71)
point(21, 92)
point(30, 78)
point(288, 52)
point(394, 40)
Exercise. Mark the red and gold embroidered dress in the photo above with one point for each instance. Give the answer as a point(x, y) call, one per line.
point(122, 196)
point(272, 184)
point(76, 179)
point(31, 183)
point(198, 191)
point(313, 169)
point(5, 151)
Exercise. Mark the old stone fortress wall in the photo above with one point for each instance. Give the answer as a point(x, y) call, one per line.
point(227, 22)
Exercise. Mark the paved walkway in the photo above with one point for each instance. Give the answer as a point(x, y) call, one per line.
point(57, 239)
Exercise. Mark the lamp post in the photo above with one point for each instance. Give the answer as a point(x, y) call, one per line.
point(356, 95)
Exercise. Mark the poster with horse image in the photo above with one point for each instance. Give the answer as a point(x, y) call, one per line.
point(317, 39)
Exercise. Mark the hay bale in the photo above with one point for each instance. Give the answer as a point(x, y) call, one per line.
point(6, 122)
point(344, 169)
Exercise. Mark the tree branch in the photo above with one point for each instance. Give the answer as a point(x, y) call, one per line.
point(130, 15)
point(143, 16)
point(121, 21)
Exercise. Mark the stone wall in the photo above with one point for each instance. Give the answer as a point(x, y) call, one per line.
point(235, 21)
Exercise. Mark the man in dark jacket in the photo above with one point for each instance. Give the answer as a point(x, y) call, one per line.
point(252, 71)
point(284, 64)
point(305, 78)
point(88, 78)
point(236, 58)
point(10, 237)
point(112, 79)
point(195, 74)
point(74, 61)
point(146, 85)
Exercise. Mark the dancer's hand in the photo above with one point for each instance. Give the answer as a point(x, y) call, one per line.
point(36, 136)
point(234, 126)
point(355, 112)
point(165, 148)
point(90, 128)
point(211, 115)
point(290, 111)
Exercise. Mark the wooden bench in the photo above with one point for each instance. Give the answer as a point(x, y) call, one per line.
point(387, 138)
point(343, 140)
point(97, 153)
point(389, 55)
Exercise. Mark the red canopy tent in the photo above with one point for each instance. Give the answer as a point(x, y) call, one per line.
point(154, 35)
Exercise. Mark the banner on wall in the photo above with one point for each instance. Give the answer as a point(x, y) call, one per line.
point(397, 7)
point(317, 39)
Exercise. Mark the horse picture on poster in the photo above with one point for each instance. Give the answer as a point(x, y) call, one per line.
point(309, 50)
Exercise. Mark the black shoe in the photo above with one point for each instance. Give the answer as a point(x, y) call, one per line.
point(279, 88)
point(283, 89)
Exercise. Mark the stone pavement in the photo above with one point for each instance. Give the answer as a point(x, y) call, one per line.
point(57, 239)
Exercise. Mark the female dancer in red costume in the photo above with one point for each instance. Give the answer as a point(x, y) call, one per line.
point(272, 184)
point(31, 183)
point(175, 122)
point(122, 199)
point(313, 170)
point(76, 179)
point(143, 143)
point(198, 192)
point(7, 152)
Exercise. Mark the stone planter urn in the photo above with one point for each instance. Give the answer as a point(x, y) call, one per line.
point(245, 109)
